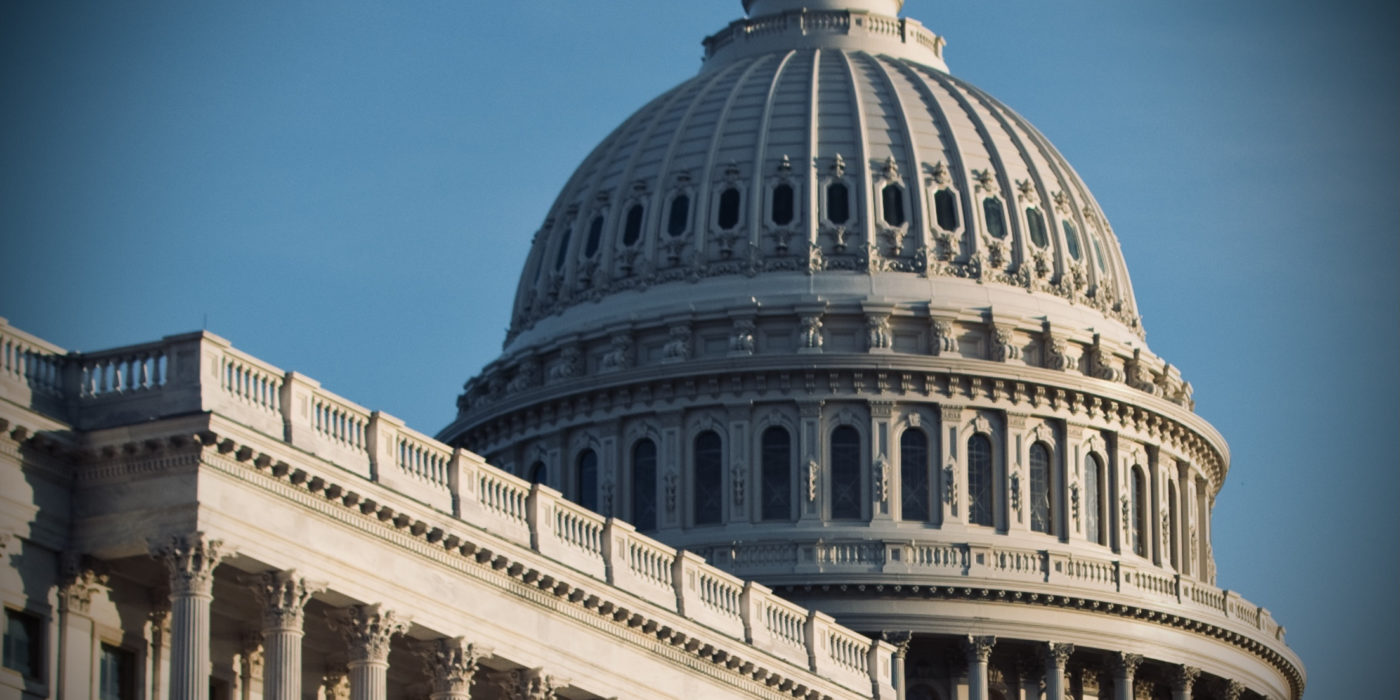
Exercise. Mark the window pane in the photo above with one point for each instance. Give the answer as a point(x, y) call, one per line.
point(116, 674)
point(562, 253)
point(1093, 505)
point(1172, 524)
point(1139, 539)
point(892, 204)
point(946, 207)
point(996, 221)
point(588, 479)
point(783, 204)
point(838, 203)
point(709, 473)
point(913, 476)
point(1036, 223)
point(729, 209)
point(1071, 239)
point(595, 236)
point(644, 485)
point(1040, 488)
point(979, 480)
point(22, 644)
point(680, 215)
point(632, 230)
point(845, 473)
point(777, 474)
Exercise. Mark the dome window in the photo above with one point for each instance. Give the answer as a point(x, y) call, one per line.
point(563, 252)
point(1139, 512)
point(1098, 253)
point(1172, 526)
point(595, 237)
point(783, 203)
point(913, 476)
point(1036, 223)
point(945, 207)
point(632, 228)
point(1093, 499)
point(777, 474)
point(586, 477)
point(979, 480)
point(845, 473)
point(644, 484)
point(679, 219)
point(838, 203)
point(728, 209)
point(892, 204)
point(709, 473)
point(538, 473)
point(996, 220)
point(1071, 239)
point(1041, 512)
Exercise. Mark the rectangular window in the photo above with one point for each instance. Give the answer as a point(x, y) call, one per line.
point(23, 644)
point(116, 674)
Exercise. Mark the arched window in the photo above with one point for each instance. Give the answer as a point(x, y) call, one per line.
point(996, 220)
point(632, 228)
point(945, 207)
point(562, 253)
point(892, 204)
point(644, 485)
point(595, 237)
point(838, 203)
point(783, 204)
point(679, 218)
point(913, 476)
point(1036, 223)
point(586, 479)
point(776, 462)
point(845, 473)
point(1139, 512)
point(537, 473)
point(979, 480)
point(1071, 238)
point(1093, 499)
point(709, 477)
point(1098, 254)
point(1172, 523)
point(728, 209)
point(1041, 510)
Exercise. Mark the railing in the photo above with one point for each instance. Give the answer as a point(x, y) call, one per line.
point(254, 383)
point(29, 364)
point(122, 372)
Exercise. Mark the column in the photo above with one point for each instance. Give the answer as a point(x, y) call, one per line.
point(979, 650)
point(1124, 668)
point(451, 664)
point(1056, 656)
point(535, 684)
point(1234, 690)
point(901, 640)
point(77, 669)
point(367, 630)
point(1183, 677)
point(1089, 684)
point(283, 595)
point(191, 560)
point(158, 651)
point(249, 667)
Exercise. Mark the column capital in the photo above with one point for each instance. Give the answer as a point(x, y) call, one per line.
point(901, 639)
point(451, 664)
point(1183, 677)
point(1056, 654)
point(978, 648)
point(1144, 690)
point(283, 595)
point(535, 684)
point(335, 685)
point(367, 630)
point(191, 559)
point(1234, 689)
point(1125, 663)
point(76, 589)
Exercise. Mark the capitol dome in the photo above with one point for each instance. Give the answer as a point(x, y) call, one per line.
point(848, 326)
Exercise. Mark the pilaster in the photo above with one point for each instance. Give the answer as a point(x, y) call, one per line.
point(77, 665)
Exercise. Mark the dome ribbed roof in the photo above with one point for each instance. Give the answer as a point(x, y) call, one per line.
point(824, 153)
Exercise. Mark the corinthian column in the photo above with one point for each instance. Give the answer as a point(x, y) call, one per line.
point(535, 684)
point(451, 665)
point(191, 560)
point(901, 640)
point(367, 630)
point(283, 595)
point(1124, 668)
point(1183, 677)
point(979, 650)
point(1056, 656)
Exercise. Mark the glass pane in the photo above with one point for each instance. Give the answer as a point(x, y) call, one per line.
point(1071, 239)
point(892, 204)
point(838, 203)
point(680, 215)
point(1092, 503)
point(22, 644)
point(709, 473)
point(1040, 488)
point(979, 480)
point(644, 485)
point(777, 474)
point(562, 253)
point(595, 236)
point(632, 230)
point(996, 221)
point(845, 473)
point(913, 476)
point(783, 197)
point(946, 207)
point(116, 674)
point(1139, 540)
point(1036, 223)
point(729, 209)
point(588, 480)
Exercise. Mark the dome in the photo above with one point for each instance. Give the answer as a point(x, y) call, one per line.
point(828, 155)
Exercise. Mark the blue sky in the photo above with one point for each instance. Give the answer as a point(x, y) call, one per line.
point(348, 190)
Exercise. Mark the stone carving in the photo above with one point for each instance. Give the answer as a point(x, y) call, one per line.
point(251, 657)
point(1057, 355)
point(1015, 489)
point(809, 336)
point(534, 684)
point(191, 560)
point(1125, 663)
point(367, 630)
point(606, 489)
point(1089, 681)
point(877, 332)
point(881, 476)
point(901, 639)
point(741, 338)
point(1074, 503)
point(1139, 376)
point(1101, 363)
point(1056, 654)
point(978, 647)
point(815, 258)
point(77, 588)
point(619, 355)
point(671, 479)
point(527, 375)
point(1143, 690)
point(451, 664)
point(813, 469)
point(1127, 519)
point(736, 476)
point(985, 182)
point(677, 347)
point(943, 339)
point(569, 363)
point(1183, 677)
point(283, 596)
point(335, 685)
point(1003, 344)
point(950, 486)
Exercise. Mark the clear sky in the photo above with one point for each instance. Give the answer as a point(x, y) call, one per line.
point(347, 189)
